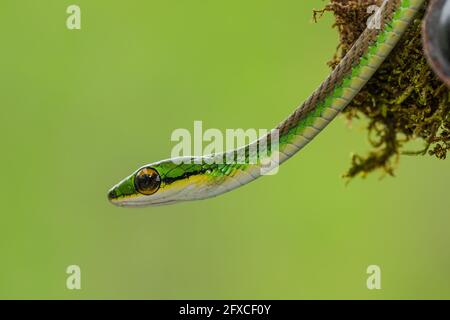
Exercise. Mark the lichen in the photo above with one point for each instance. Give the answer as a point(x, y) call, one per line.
point(404, 100)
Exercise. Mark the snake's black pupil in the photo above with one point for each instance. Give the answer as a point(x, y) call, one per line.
point(146, 181)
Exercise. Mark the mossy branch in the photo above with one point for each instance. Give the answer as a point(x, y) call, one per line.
point(404, 100)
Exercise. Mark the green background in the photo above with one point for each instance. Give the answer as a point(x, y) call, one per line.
point(82, 109)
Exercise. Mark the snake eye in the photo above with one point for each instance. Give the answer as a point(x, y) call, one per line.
point(147, 181)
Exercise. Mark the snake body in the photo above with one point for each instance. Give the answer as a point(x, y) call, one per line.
point(194, 178)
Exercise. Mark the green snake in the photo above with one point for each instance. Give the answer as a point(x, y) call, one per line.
point(193, 178)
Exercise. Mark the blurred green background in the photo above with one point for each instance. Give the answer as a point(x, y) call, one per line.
point(81, 109)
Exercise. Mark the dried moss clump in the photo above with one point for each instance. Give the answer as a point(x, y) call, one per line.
point(404, 101)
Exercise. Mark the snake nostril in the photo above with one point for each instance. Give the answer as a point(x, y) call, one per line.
point(112, 194)
point(444, 37)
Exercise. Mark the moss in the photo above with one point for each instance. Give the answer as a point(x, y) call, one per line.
point(404, 101)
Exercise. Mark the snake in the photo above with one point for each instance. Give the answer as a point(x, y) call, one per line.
point(190, 178)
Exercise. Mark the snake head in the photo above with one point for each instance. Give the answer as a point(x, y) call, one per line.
point(164, 182)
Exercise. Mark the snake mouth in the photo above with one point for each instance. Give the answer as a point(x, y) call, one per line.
point(134, 201)
point(436, 38)
point(116, 198)
point(126, 203)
